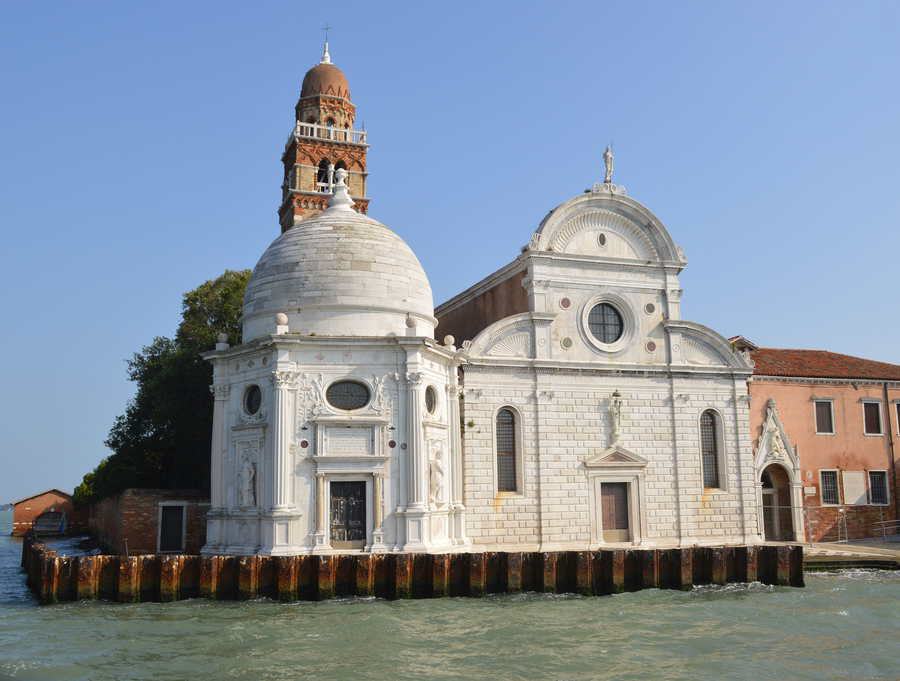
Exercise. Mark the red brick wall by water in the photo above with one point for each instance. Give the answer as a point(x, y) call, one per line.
point(26, 511)
point(129, 522)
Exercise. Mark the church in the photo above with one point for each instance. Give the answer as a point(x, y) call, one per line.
point(561, 403)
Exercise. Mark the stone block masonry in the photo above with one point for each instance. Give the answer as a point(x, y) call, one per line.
point(154, 578)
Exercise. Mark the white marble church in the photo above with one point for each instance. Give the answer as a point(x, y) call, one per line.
point(578, 411)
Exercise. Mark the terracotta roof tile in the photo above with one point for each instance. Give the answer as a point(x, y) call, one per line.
point(820, 364)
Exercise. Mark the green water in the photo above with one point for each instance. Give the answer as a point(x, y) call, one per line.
point(842, 626)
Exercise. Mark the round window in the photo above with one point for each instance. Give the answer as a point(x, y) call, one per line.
point(347, 395)
point(605, 323)
point(430, 399)
point(252, 399)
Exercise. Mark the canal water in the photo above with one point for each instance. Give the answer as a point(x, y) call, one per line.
point(842, 626)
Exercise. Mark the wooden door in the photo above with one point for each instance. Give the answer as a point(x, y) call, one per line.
point(348, 514)
point(171, 529)
point(614, 503)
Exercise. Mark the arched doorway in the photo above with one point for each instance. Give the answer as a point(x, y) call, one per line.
point(778, 523)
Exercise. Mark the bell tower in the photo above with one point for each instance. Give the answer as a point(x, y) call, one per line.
point(323, 140)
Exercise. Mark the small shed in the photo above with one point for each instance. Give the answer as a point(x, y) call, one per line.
point(47, 513)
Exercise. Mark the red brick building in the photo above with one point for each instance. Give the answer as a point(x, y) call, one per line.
point(825, 429)
point(49, 512)
point(151, 521)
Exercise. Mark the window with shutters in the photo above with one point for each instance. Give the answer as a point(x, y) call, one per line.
point(824, 417)
point(710, 448)
point(878, 488)
point(872, 417)
point(507, 476)
point(828, 487)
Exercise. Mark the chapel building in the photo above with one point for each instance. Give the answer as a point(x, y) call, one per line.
point(568, 405)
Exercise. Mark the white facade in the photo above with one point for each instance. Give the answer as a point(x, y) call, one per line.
point(605, 432)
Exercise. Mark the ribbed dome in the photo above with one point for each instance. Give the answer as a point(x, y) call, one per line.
point(325, 79)
point(339, 274)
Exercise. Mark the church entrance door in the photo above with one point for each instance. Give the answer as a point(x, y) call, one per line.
point(348, 515)
point(614, 496)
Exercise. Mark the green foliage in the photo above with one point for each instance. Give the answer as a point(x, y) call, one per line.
point(163, 438)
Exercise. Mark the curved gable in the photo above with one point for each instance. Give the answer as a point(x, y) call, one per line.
point(697, 345)
point(509, 337)
point(629, 230)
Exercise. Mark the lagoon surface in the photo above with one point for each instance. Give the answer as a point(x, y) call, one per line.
point(841, 626)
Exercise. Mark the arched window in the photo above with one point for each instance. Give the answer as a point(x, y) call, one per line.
point(506, 451)
point(341, 164)
point(709, 448)
point(322, 176)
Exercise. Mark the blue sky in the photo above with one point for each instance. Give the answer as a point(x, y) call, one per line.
point(141, 147)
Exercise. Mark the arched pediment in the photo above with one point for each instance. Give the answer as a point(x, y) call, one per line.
point(629, 230)
point(697, 345)
point(509, 337)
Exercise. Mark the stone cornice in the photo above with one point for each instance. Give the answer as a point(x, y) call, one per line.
point(814, 380)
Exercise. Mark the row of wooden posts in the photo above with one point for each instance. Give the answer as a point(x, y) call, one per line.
point(54, 578)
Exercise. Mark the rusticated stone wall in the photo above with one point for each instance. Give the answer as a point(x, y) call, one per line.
point(54, 578)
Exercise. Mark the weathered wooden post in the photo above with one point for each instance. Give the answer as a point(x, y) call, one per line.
point(718, 568)
point(286, 570)
point(685, 569)
point(584, 573)
point(403, 572)
point(129, 590)
point(325, 582)
point(549, 565)
point(169, 578)
point(650, 569)
point(440, 575)
point(476, 574)
point(513, 572)
point(617, 571)
point(365, 576)
point(247, 577)
point(783, 574)
point(797, 566)
point(87, 578)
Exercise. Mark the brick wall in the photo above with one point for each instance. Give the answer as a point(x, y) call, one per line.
point(823, 522)
point(129, 522)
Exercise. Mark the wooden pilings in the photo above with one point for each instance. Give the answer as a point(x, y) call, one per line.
point(131, 579)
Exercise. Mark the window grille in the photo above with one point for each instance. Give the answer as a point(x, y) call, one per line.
point(709, 448)
point(878, 487)
point(506, 451)
point(873, 418)
point(824, 417)
point(605, 323)
point(830, 493)
point(347, 395)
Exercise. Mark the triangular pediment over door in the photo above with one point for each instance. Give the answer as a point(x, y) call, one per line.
point(615, 457)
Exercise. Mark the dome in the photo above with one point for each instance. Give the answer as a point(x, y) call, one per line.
point(325, 79)
point(339, 273)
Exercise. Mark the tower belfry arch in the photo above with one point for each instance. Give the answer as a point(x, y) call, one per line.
point(323, 139)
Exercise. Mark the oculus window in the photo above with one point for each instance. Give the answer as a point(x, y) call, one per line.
point(252, 399)
point(347, 395)
point(605, 323)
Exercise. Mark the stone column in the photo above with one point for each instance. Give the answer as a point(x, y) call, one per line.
point(282, 427)
point(221, 393)
point(455, 464)
point(415, 447)
point(320, 504)
point(378, 501)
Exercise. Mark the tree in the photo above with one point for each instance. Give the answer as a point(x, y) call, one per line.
point(163, 438)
